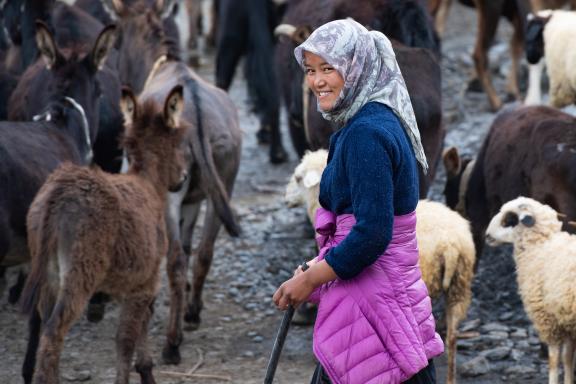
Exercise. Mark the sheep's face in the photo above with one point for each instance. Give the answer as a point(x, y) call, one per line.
point(516, 216)
point(303, 179)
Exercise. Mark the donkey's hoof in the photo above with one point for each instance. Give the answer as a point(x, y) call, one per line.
point(263, 136)
point(192, 319)
point(171, 355)
point(95, 312)
point(475, 86)
point(278, 156)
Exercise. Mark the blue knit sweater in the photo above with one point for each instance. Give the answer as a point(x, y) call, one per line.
point(372, 174)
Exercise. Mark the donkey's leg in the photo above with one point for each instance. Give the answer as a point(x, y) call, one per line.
point(34, 327)
point(488, 14)
point(72, 300)
point(202, 264)
point(144, 362)
point(177, 268)
point(516, 49)
point(134, 316)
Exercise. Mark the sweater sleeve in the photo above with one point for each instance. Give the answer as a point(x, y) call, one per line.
point(369, 171)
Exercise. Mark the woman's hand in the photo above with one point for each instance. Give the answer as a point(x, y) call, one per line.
point(296, 290)
point(292, 292)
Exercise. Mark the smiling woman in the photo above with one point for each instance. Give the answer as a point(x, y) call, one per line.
point(373, 305)
point(324, 80)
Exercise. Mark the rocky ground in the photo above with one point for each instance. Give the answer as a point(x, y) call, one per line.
point(239, 320)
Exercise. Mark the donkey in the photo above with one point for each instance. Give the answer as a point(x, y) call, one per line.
point(64, 131)
point(93, 231)
point(245, 29)
point(148, 63)
point(74, 27)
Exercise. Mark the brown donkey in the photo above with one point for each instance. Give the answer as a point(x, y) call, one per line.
point(149, 63)
point(91, 231)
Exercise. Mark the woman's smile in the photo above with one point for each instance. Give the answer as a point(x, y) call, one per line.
point(324, 80)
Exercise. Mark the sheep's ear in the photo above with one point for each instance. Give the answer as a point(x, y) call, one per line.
point(311, 179)
point(510, 219)
point(528, 221)
point(452, 161)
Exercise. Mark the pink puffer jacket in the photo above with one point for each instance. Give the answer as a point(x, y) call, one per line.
point(377, 327)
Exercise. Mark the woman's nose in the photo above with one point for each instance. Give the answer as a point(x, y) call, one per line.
point(319, 81)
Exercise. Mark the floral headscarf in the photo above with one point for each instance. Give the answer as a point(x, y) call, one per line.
point(367, 63)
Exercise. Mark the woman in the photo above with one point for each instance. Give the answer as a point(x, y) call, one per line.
point(374, 319)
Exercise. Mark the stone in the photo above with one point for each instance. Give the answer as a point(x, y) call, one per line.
point(497, 336)
point(77, 376)
point(475, 367)
point(506, 316)
point(494, 327)
point(519, 333)
point(516, 354)
point(520, 370)
point(469, 325)
point(498, 353)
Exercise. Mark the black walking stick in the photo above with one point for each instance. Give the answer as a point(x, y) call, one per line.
point(279, 342)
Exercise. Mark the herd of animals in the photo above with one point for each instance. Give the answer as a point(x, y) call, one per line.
point(104, 124)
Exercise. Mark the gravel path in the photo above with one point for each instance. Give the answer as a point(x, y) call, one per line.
point(239, 320)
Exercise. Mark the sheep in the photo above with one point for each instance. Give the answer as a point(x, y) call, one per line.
point(304, 185)
point(545, 266)
point(446, 248)
point(553, 33)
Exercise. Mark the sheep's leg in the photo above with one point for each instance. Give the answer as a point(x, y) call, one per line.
point(202, 264)
point(144, 362)
point(451, 332)
point(534, 94)
point(177, 268)
point(568, 361)
point(553, 360)
point(487, 25)
point(134, 316)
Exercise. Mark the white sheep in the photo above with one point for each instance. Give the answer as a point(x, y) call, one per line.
point(447, 254)
point(304, 185)
point(559, 36)
point(546, 268)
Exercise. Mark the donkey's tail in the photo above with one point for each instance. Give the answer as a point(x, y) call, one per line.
point(211, 182)
point(41, 243)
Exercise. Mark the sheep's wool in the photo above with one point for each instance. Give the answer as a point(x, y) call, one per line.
point(367, 63)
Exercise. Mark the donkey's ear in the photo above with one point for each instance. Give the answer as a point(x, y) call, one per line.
point(46, 45)
point(102, 47)
point(174, 106)
point(452, 161)
point(128, 106)
point(166, 8)
point(114, 8)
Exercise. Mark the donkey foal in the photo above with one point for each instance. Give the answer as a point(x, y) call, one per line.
point(91, 231)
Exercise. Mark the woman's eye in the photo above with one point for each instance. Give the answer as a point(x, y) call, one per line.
point(327, 69)
point(309, 71)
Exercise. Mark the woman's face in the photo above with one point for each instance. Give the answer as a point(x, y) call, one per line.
point(323, 79)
